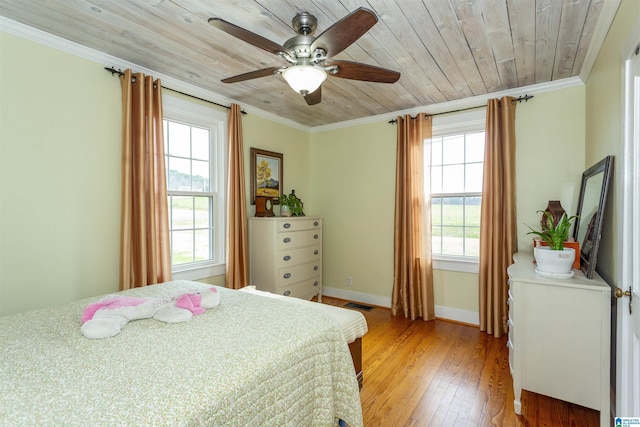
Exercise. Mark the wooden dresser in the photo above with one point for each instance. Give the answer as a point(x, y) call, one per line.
point(285, 255)
point(559, 335)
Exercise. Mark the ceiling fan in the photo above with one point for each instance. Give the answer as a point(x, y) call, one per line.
point(309, 57)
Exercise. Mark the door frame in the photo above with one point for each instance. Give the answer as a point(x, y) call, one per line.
point(627, 211)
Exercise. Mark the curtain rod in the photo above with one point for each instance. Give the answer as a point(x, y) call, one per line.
point(524, 98)
point(121, 73)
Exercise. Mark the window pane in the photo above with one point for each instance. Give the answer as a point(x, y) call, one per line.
point(181, 212)
point(452, 211)
point(453, 179)
point(179, 140)
point(436, 214)
point(452, 240)
point(472, 211)
point(202, 212)
point(436, 179)
point(200, 143)
point(453, 149)
point(179, 174)
point(436, 243)
point(472, 241)
point(473, 178)
point(436, 151)
point(475, 147)
point(181, 247)
point(202, 245)
point(200, 180)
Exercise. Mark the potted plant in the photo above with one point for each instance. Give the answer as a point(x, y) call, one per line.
point(290, 205)
point(554, 259)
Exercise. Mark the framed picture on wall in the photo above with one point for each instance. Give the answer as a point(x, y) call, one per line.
point(266, 174)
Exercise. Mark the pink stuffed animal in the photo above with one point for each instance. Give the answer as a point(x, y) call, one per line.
point(107, 317)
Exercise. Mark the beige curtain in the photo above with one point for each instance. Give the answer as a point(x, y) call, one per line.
point(237, 243)
point(498, 239)
point(145, 257)
point(413, 273)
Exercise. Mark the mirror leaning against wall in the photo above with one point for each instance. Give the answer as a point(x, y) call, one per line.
point(591, 204)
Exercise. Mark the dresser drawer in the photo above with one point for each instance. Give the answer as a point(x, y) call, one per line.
point(512, 332)
point(298, 273)
point(294, 257)
point(298, 239)
point(299, 224)
point(510, 304)
point(511, 356)
point(305, 289)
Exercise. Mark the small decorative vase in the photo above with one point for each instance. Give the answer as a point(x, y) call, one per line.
point(554, 262)
point(555, 209)
point(284, 210)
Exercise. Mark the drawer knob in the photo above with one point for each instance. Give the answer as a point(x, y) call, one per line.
point(286, 257)
point(315, 236)
point(286, 225)
point(315, 283)
point(287, 293)
point(315, 252)
point(287, 239)
point(287, 275)
point(315, 223)
point(315, 267)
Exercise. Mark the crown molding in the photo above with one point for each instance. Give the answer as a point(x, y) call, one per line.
point(605, 20)
point(458, 104)
point(59, 43)
point(64, 45)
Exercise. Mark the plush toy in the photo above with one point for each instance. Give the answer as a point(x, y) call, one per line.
point(107, 317)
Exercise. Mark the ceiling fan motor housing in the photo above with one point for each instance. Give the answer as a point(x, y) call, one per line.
point(304, 23)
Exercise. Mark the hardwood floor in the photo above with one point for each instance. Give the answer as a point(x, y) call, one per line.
point(441, 373)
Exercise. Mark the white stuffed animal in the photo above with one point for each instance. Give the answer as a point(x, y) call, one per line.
point(107, 317)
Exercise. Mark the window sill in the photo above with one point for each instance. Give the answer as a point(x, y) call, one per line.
point(198, 272)
point(465, 265)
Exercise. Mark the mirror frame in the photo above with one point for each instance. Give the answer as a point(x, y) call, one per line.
point(588, 260)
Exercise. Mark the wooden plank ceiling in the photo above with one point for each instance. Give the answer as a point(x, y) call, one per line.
point(444, 49)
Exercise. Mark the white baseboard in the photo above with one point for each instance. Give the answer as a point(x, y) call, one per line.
point(361, 297)
point(442, 312)
point(458, 315)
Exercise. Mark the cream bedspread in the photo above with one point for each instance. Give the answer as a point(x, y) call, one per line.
point(251, 361)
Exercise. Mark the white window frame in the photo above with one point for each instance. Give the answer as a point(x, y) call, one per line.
point(195, 114)
point(453, 124)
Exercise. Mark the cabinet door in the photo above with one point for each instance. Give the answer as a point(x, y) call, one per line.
point(561, 342)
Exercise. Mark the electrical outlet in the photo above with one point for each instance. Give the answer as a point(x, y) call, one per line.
point(349, 281)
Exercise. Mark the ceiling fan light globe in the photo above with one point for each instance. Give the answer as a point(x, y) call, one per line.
point(304, 78)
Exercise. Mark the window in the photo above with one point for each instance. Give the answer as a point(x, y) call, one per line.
point(195, 162)
point(454, 160)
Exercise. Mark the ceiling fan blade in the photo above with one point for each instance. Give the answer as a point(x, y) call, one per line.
point(314, 97)
point(343, 33)
point(248, 36)
point(252, 75)
point(366, 73)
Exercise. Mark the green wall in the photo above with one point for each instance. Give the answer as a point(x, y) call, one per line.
point(60, 176)
point(353, 181)
point(60, 122)
point(604, 124)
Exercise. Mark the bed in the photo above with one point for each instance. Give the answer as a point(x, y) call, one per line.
point(251, 360)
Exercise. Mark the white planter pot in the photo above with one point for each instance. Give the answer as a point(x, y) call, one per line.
point(554, 262)
point(284, 210)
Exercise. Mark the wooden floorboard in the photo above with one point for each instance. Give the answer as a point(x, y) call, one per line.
point(442, 373)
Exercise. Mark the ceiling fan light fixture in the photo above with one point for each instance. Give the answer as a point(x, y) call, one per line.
point(304, 79)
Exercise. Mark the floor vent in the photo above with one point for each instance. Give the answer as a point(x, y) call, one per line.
point(358, 306)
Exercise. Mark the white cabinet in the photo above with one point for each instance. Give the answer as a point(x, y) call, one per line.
point(285, 255)
point(559, 335)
